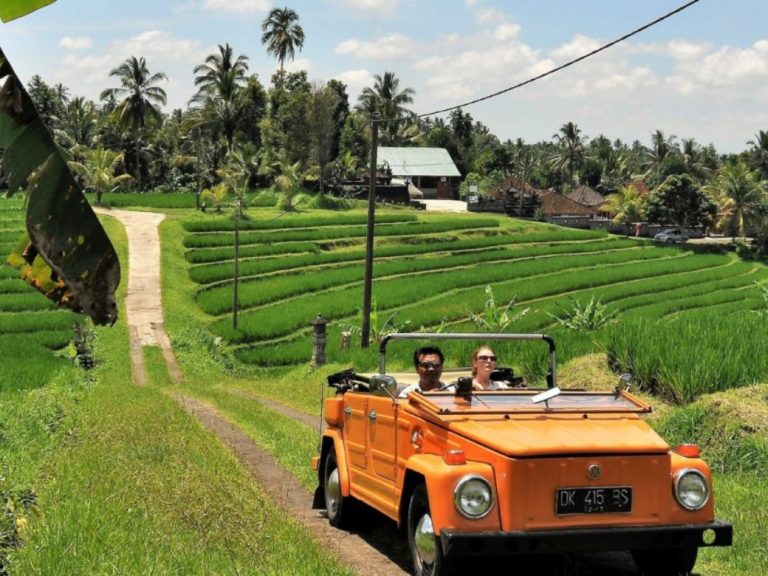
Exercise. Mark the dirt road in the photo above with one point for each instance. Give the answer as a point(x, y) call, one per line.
point(379, 549)
point(374, 552)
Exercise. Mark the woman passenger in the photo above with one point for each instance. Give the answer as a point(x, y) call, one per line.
point(483, 363)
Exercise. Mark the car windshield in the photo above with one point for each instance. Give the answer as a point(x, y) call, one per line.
point(521, 401)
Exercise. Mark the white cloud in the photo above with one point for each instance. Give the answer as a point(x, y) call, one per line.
point(75, 43)
point(297, 65)
point(241, 6)
point(761, 46)
point(163, 52)
point(161, 45)
point(578, 46)
point(681, 50)
point(728, 67)
point(376, 6)
point(392, 46)
point(506, 31)
point(633, 79)
point(355, 80)
point(488, 15)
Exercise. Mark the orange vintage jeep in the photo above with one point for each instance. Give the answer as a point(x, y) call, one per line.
point(519, 471)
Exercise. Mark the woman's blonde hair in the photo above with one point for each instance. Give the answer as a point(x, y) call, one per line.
point(476, 353)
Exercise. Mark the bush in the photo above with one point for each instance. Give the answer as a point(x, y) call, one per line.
point(264, 199)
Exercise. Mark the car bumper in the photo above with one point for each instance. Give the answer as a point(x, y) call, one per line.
point(586, 539)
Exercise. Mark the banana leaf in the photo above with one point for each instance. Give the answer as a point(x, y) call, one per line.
point(10, 9)
point(66, 254)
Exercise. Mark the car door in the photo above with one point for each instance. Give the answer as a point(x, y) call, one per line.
point(355, 440)
point(381, 420)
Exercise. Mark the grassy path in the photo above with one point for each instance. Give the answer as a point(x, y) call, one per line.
point(284, 491)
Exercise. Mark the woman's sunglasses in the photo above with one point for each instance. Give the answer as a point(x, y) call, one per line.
point(485, 358)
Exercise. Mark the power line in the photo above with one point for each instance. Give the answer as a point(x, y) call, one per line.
point(553, 70)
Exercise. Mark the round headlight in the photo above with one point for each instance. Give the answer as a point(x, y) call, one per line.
point(691, 489)
point(473, 497)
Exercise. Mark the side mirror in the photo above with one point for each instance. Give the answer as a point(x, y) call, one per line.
point(546, 396)
point(383, 385)
point(625, 383)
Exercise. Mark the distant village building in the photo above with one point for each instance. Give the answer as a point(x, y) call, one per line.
point(586, 196)
point(430, 170)
point(518, 198)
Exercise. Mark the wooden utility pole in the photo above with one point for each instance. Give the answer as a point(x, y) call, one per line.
point(366, 327)
point(235, 304)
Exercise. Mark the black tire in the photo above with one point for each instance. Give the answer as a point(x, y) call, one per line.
point(668, 562)
point(426, 552)
point(340, 508)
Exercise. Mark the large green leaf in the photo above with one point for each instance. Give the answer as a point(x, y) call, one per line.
point(10, 9)
point(66, 253)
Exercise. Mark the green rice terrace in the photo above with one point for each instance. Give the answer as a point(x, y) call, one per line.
point(431, 273)
point(127, 463)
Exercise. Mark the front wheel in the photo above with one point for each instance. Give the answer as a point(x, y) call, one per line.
point(669, 562)
point(427, 554)
point(339, 507)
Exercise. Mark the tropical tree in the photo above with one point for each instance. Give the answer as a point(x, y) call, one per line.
point(46, 101)
point(141, 99)
point(282, 34)
point(740, 194)
point(679, 200)
point(218, 82)
point(626, 205)
point(758, 154)
point(98, 171)
point(216, 196)
point(79, 123)
point(386, 99)
point(662, 151)
point(570, 153)
point(288, 182)
point(322, 107)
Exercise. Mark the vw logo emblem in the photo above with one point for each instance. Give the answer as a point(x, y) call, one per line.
point(594, 471)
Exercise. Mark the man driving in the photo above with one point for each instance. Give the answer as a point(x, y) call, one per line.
point(428, 361)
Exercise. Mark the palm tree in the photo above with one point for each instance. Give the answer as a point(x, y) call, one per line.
point(695, 159)
point(758, 155)
point(288, 182)
point(221, 75)
point(386, 99)
point(571, 154)
point(142, 99)
point(79, 124)
point(282, 34)
point(661, 149)
point(626, 205)
point(739, 193)
point(219, 80)
point(98, 171)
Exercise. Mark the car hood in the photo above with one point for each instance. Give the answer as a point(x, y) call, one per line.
point(568, 434)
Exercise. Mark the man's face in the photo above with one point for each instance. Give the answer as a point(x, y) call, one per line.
point(430, 369)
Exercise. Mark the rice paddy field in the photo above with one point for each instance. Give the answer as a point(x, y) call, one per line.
point(688, 325)
point(32, 328)
point(431, 272)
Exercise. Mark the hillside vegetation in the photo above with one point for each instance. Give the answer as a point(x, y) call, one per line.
point(431, 273)
point(130, 465)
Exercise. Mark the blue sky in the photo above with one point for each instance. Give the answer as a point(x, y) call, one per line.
point(702, 74)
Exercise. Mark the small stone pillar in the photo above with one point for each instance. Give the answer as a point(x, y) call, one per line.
point(318, 340)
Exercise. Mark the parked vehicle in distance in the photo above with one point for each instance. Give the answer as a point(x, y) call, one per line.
point(508, 472)
point(671, 236)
